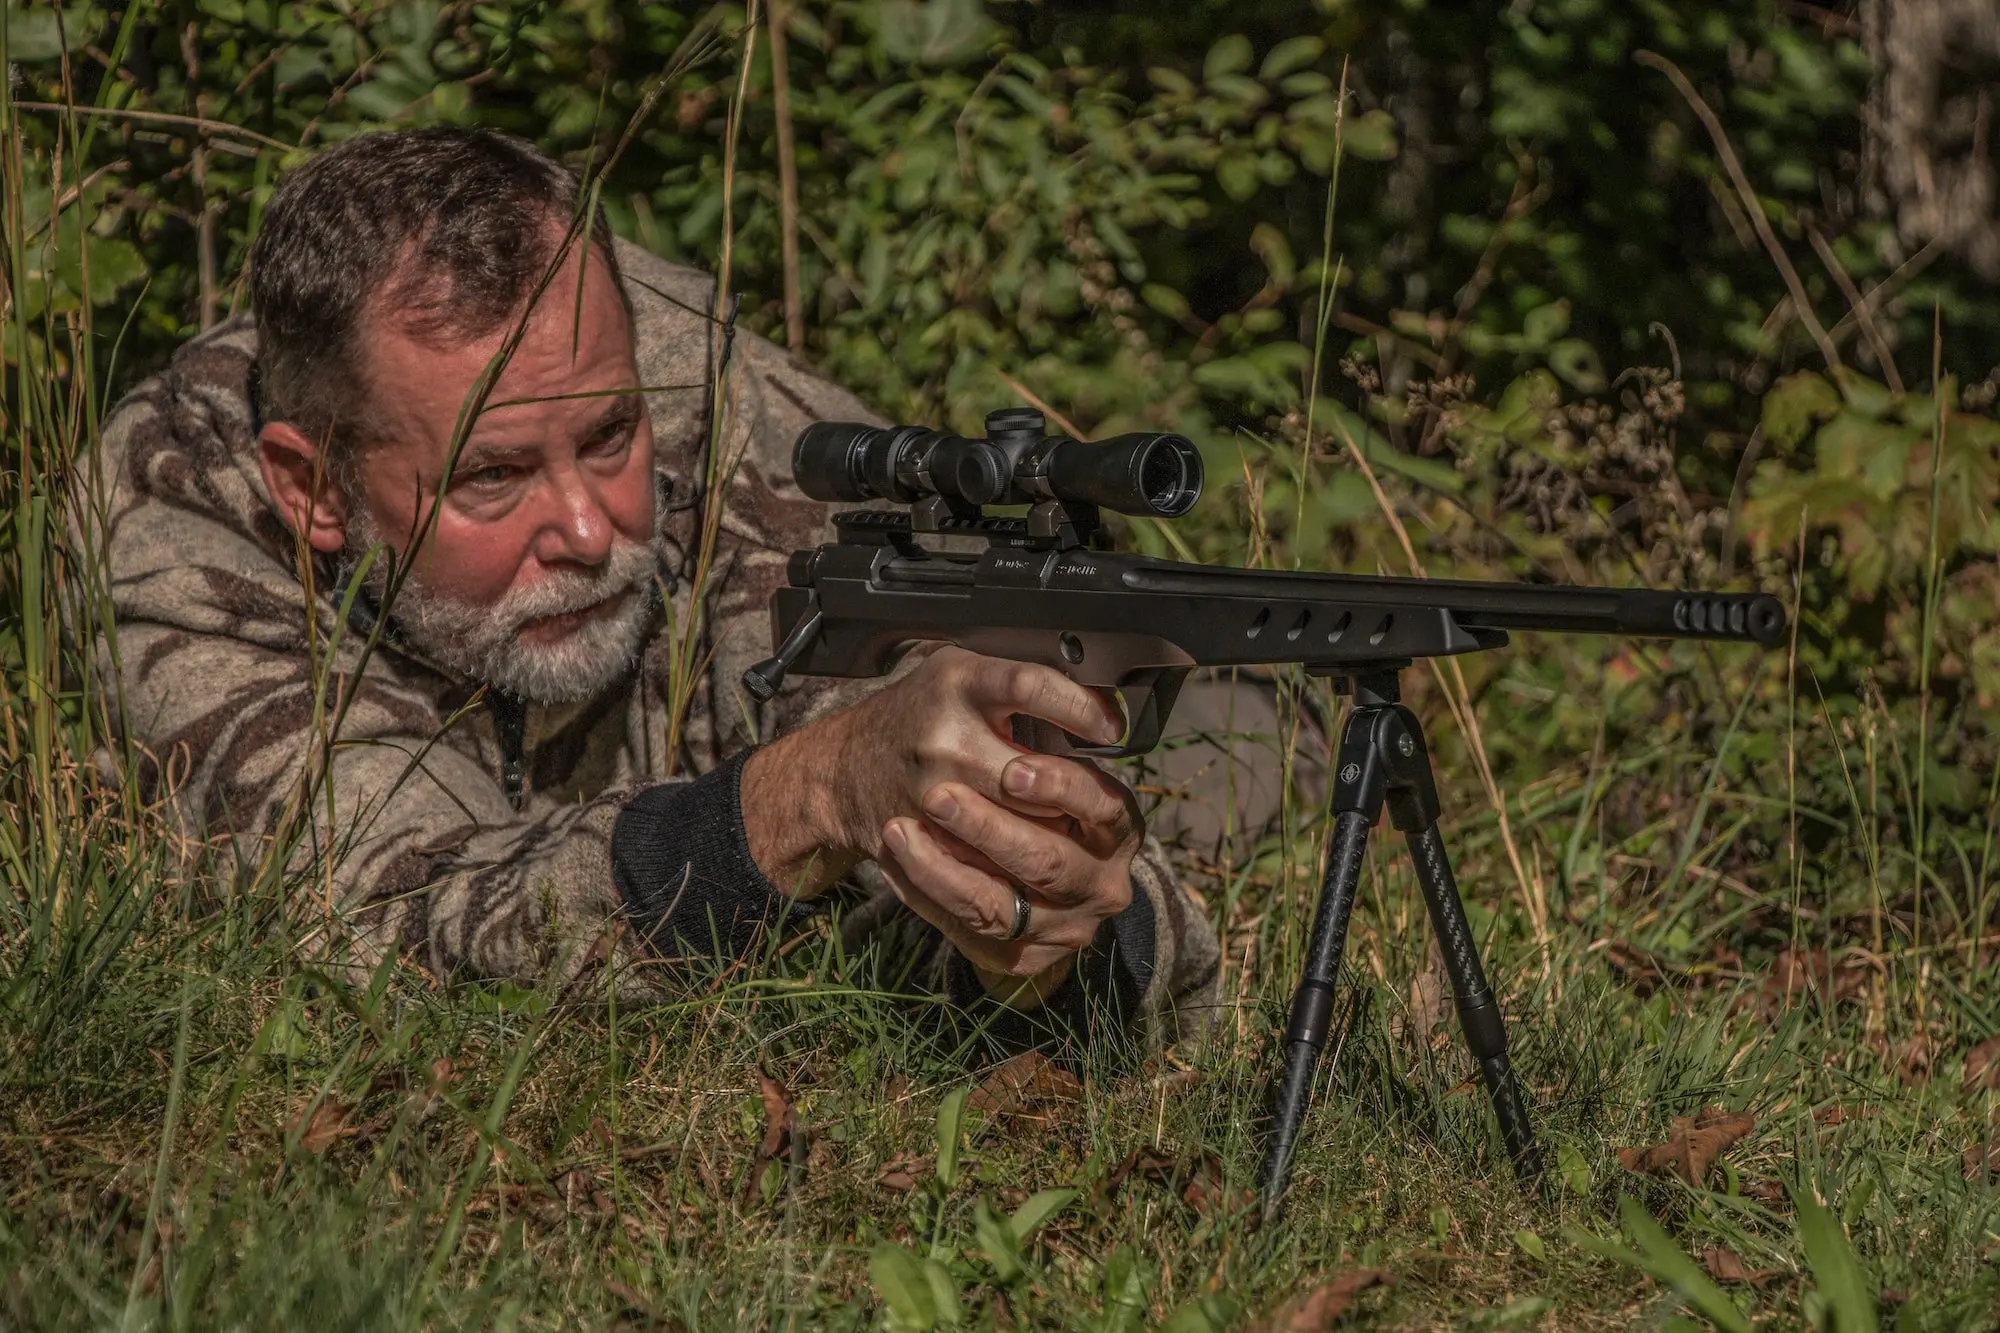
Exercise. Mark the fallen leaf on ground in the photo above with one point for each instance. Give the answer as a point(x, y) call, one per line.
point(1199, 1182)
point(1028, 1079)
point(1204, 1189)
point(1315, 1311)
point(1430, 998)
point(1842, 1114)
point(1980, 1159)
point(1145, 1162)
point(321, 1124)
point(641, 1311)
point(1913, 1065)
point(429, 1098)
point(781, 1131)
point(1796, 972)
point(899, 1175)
point(1727, 1266)
point(1982, 1067)
point(581, 1193)
point(1691, 1146)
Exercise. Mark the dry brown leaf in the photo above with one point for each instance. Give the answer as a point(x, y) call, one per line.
point(1199, 1182)
point(781, 1131)
point(1430, 998)
point(639, 1312)
point(321, 1124)
point(899, 1175)
point(1842, 1114)
point(1981, 1159)
point(1727, 1266)
point(1145, 1162)
point(1913, 1065)
point(581, 1192)
point(430, 1098)
point(1315, 1311)
point(1028, 1079)
point(1205, 1190)
point(693, 108)
point(1982, 1067)
point(1691, 1146)
point(1796, 972)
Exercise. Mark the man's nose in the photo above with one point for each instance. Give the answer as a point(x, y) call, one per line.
point(576, 530)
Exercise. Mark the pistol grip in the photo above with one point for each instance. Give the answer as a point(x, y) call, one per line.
point(1147, 700)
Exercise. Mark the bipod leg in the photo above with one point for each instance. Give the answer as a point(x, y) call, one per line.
point(1312, 1003)
point(1357, 803)
point(1478, 1011)
point(1413, 805)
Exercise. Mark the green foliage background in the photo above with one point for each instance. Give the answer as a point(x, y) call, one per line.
point(1124, 209)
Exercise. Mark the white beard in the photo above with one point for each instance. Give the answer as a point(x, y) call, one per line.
point(483, 642)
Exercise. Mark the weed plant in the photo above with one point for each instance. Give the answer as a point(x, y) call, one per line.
point(1699, 884)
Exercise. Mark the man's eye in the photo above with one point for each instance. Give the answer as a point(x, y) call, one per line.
point(612, 441)
point(494, 474)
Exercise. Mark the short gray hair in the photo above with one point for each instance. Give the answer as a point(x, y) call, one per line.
point(462, 222)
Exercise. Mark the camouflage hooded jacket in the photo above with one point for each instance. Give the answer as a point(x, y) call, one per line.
point(479, 837)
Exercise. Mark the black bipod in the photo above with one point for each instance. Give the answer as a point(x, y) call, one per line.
point(1383, 756)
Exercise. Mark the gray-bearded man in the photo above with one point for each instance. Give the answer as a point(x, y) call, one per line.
point(497, 799)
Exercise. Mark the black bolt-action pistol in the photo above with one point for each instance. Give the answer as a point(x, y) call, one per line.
point(1042, 591)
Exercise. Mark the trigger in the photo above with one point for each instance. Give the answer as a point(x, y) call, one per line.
point(1045, 737)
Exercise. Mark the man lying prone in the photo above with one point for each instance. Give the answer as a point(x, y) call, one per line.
point(496, 799)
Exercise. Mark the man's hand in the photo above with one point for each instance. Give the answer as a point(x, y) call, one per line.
point(961, 866)
point(924, 778)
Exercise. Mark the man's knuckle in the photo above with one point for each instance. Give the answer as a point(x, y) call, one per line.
point(1043, 866)
point(993, 920)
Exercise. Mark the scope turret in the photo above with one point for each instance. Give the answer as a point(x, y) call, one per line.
point(1018, 462)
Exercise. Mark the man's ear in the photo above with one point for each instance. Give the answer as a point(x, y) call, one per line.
point(296, 474)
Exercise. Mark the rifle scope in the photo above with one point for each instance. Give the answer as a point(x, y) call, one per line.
point(1017, 463)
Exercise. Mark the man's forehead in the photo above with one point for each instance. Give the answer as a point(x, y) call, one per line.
point(573, 344)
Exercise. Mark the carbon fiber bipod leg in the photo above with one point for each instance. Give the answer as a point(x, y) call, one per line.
point(1383, 758)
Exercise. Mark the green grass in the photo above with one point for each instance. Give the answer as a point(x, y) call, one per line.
point(578, 1167)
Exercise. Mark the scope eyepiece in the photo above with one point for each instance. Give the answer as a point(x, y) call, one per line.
point(1018, 462)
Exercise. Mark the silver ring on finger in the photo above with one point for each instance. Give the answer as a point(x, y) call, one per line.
point(1024, 911)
